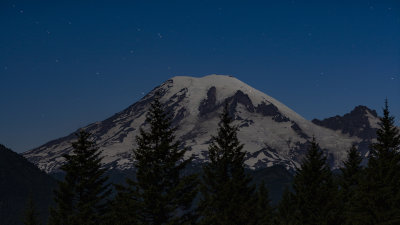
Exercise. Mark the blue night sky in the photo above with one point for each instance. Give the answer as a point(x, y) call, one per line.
point(64, 65)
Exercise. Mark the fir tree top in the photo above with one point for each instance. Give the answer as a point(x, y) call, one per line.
point(225, 148)
point(82, 196)
point(352, 168)
point(314, 190)
point(388, 135)
point(162, 194)
point(227, 195)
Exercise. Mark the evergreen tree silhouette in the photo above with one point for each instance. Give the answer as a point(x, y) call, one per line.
point(349, 181)
point(227, 196)
point(31, 215)
point(162, 193)
point(82, 197)
point(377, 200)
point(314, 190)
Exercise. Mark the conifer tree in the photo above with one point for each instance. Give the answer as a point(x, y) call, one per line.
point(378, 198)
point(31, 215)
point(349, 183)
point(162, 193)
point(81, 197)
point(226, 190)
point(264, 211)
point(286, 209)
point(124, 206)
point(314, 190)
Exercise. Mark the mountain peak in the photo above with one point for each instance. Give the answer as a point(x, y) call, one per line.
point(210, 77)
point(272, 133)
point(225, 84)
point(198, 88)
point(363, 110)
point(361, 122)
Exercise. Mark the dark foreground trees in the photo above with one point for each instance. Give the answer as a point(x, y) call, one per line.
point(264, 212)
point(161, 194)
point(377, 200)
point(314, 191)
point(227, 196)
point(81, 198)
point(31, 215)
point(349, 181)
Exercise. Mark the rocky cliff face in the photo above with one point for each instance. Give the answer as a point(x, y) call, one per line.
point(361, 122)
point(272, 133)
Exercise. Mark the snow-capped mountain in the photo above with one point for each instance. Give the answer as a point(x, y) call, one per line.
point(361, 122)
point(271, 132)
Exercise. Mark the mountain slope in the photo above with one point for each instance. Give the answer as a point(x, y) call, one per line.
point(361, 122)
point(273, 134)
point(19, 179)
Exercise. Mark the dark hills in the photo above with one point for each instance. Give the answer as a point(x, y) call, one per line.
point(20, 179)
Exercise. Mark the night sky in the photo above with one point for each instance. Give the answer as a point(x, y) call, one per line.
point(64, 65)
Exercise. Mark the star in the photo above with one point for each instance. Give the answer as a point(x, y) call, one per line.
point(159, 35)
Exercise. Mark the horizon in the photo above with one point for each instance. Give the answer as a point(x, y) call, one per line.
point(64, 66)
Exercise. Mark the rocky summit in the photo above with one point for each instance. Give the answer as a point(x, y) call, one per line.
point(272, 133)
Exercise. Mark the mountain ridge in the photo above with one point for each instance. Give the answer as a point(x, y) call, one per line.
point(273, 134)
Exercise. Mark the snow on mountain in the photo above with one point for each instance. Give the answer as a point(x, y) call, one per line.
point(271, 132)
point(361, 122)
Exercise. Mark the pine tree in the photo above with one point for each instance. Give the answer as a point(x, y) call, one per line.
point(264, 211)
point(162, 193)
point(314, 190)
point(81, 197)
point(124, 206)
point(226, 190)
point(378, 198)
point(286, 209)
point(349, 183)
point(31, 215)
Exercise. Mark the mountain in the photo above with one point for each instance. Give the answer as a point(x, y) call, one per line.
point(20, 179)
point(272, 133)
point(361, 123)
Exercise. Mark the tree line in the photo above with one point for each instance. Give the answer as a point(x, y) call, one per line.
point(164, 194)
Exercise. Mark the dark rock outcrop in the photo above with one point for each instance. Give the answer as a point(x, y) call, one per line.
point(355, 123)
point(271, 110)
point(209, 104)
